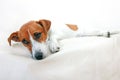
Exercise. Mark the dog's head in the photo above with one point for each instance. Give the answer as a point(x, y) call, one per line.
point(33, 35)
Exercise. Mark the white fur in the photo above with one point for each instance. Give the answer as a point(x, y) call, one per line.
point(58, 32)
point(40, 47)
point(61, 31)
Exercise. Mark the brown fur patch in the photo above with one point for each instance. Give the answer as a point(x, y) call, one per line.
point(41, 26)
point(72, 26)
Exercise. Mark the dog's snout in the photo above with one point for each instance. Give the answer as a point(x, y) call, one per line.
point(39, 55)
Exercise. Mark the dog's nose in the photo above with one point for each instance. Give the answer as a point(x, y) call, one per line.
point(39, 55)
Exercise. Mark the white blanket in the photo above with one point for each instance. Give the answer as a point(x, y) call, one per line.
point(84, 58)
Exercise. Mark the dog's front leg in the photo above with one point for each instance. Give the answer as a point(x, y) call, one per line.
point(54, 44)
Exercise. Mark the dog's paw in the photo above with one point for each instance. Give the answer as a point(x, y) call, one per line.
point(107, 34)
point(54, 47)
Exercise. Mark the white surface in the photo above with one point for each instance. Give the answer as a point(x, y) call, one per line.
point(88, 58)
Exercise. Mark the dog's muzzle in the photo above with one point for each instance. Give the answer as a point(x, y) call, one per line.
point(38, 55)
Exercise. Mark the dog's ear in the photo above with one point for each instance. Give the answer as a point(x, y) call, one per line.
point(45, 24)
point(14, 37)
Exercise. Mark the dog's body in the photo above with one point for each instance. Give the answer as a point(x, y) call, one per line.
point(41, 37)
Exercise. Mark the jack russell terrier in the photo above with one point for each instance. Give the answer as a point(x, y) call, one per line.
point(41, 37)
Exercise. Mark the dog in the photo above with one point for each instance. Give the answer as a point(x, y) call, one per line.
point(42, 37)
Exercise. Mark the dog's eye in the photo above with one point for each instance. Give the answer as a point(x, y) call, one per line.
point(37, 35)
point(25, 41)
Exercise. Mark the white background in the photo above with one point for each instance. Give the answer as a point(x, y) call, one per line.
point(85, 13)
point(85, 59)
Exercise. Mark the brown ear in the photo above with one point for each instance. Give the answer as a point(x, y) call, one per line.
point(45, 24)
point(14, 37)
